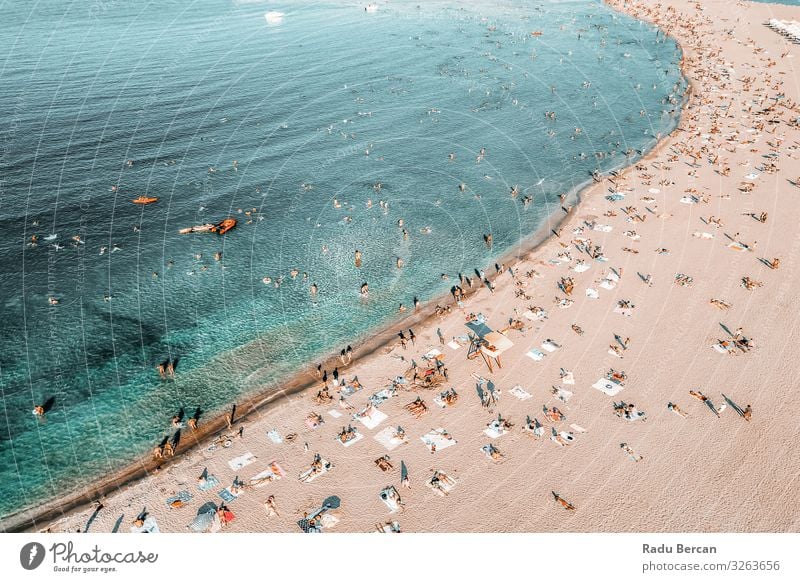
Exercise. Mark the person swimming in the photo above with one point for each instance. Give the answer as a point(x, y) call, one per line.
point(365, 290)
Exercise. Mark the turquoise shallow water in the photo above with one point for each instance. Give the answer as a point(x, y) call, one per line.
point(160, 99)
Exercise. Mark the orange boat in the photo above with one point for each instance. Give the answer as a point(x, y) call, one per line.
point(224, 226)
point(144, 200)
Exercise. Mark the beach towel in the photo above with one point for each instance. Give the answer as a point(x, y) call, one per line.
point(703, 235)
point(487, 450)
point(313, 422)
point(433, 354)
point(603, 227)
point(273, 473)
point(351, 389)
point(581, 267)
point(388, 527)
point(149, 526)
point(335, 413)
point(441, 483)
point(724, 349)
point(626, 311)
point(562, 394)
point(376, 417)
point(608, 284)
point(494, 430)
point(309, 475)
point(275, 436)
point(568, 378)
point(550, 346)
point(752, 176)
point(690, 200)
point(737, 246)
point(535, 354)
point(453, 345)
point(615, 197)
point(592, 293)
point(391, 498)
point(608, 387)
point(386, 438)
point(179, 499)
point(437, 437)
point(241, 461)
point(352, 441)
point(227, 494)
point(382, 396)
point(210, 482)
point(577, 428)
point(562, 438)
point(520, 392)
point(654, 191)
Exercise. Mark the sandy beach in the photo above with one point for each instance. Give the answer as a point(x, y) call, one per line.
point(661, 291)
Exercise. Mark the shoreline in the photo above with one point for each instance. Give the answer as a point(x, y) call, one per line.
point(377, 342)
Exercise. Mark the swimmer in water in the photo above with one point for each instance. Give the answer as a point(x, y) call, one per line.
point(358, 258)
point(400, 263)
point(313, 289)
point(365, 290)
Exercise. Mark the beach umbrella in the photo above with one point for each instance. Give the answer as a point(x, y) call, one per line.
point(331, 502)
point(205, 517)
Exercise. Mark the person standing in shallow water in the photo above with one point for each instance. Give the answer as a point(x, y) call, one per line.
point(358, 258)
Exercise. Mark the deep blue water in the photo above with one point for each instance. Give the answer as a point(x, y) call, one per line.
point(160, 99)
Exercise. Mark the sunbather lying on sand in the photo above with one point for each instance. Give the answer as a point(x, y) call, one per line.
point(564, 503)
point(383, 463)
point(676, 409)
point(417, 408)
point(271, 507)
point(633, 455)
point(553, 414)
point(347, 434)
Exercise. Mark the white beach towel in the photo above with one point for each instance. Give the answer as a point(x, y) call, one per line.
point(275, 436)
point(373, 420)
point(535, 355)
point(562, 394)
point(603, 227)
point(454, 345)
point(607, 387)
point(626, 311)
point(335, 413)
point(309, 475)
point(435, 438)
point(242, 461)
point(592, 293)
point(445, 483)
point(352, 441)
point(654, 191)
point(494, 430)
point(385, 437)
point(550, 346)
point(273, 473)
point(581, 267)
point(577, 428)
point(703, 235)
point(520, 392)
point(387, 495)
point(607, 284)
point(568, 378)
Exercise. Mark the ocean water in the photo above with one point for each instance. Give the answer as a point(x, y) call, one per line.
point(287, 127)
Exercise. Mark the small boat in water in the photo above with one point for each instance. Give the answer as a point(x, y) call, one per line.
point(224, 226)
point(220, 228)
point(144, 200)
